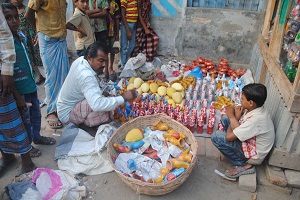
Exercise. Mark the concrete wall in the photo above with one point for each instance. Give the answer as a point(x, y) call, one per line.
point(212, 33)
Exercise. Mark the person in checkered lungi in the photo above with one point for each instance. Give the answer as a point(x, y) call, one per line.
point(81, 100)
point(146, 41)
point(13, 135)
point(248, 134)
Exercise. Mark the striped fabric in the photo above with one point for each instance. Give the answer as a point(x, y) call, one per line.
point(7, 48)
point(146, 44)
point(13, 135)
point(131, 7)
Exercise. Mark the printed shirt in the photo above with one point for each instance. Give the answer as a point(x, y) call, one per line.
point(23, 73)
point(80, 19)
point(131, 7)
point(50, 17)
point(7, 48)
point(256, 132)
point(98, 24)
point(82, 83)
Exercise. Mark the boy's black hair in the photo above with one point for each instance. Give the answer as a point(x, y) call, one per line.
point(92, 50)
point(256, 92)
point(9, 6)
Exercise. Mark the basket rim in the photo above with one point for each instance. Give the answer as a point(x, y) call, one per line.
point(138, 182)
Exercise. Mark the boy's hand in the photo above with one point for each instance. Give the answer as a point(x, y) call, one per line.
point(7, 84)
point(238, 112)
point(230, 112)
point(81, 33)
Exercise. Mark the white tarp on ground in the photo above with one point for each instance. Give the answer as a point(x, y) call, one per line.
point(79, 152)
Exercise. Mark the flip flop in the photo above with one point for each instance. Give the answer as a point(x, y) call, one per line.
point(45, 141)
point(240, 171)
point(23, 171)
point(54, 120)
point(34, 152)
point(4, 163)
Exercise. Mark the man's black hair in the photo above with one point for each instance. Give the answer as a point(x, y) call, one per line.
point(9, 6)
point(93, 49)
point(256, 92)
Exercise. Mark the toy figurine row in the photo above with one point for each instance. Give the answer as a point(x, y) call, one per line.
point(210, 88)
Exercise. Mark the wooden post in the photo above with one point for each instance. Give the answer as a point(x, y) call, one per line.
point(296, 84)
point(268, 19)
point(279, 27)
point(263, 73)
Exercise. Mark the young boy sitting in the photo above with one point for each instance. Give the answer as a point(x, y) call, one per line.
point(80, 22)
point(247, 137)
point(25, 83)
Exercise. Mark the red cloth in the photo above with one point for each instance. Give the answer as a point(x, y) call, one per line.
point(249, 147)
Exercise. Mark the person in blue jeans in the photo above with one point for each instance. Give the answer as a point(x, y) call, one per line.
point(24, 82)
point(248, 134)
point(129, 16)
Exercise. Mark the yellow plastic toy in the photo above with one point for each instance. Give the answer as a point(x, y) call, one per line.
point(163, 172)
point(175, 164)
point(186, 156)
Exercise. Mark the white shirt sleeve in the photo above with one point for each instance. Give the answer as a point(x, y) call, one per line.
point(93, 94)
point(246, 130)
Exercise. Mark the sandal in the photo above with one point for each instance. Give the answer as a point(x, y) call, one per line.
point(34, 152)
point(51, 120)
point(4, 163)
point(40, 80)
point(45, 141)
point(239, 171)
point(24, 171)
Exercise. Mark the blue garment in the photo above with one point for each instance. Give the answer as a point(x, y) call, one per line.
point(23, 73)
point(33, 126)
point(55, 60)
point(231, 150)
point(13, 135)
point(15, 191)
point(127, 46)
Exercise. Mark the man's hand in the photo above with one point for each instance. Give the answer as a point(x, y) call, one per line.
point(7, 84)
point(147, 31)
point(117, 38)
point(129, 35)
point(35, 40)
point(230, 112)
point(238, 110)
point(129, 95)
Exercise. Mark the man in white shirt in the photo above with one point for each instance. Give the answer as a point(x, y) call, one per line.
point(80, 100)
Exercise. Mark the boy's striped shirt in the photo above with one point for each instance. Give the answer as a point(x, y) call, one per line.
point(131, 7)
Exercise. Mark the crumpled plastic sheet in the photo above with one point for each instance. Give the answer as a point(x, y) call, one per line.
point(147, 167)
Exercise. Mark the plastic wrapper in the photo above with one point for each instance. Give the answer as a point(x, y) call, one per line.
point(149, 168)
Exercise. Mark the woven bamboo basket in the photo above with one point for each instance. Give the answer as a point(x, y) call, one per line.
point(143, 122)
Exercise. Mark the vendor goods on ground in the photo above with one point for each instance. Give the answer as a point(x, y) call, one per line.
point(196, 98)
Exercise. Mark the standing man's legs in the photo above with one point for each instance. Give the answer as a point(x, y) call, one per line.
point(55, 60)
